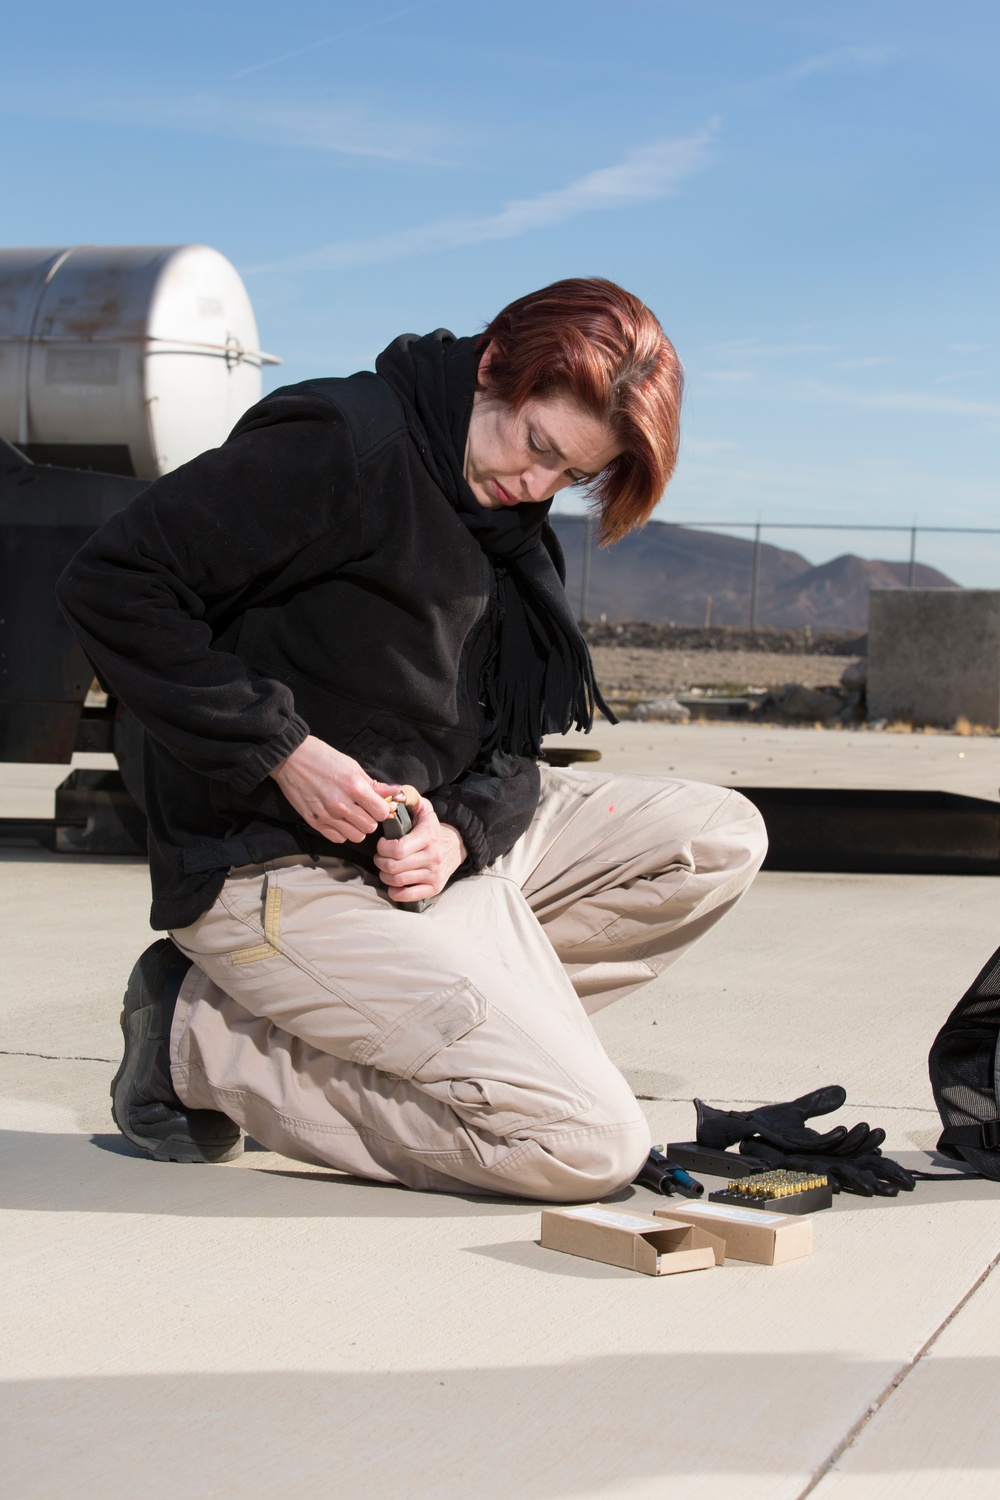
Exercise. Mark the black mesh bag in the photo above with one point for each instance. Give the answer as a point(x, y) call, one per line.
point(963, 1064)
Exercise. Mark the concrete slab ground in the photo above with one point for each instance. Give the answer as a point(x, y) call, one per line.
point(261, 1327)
point(754, 755)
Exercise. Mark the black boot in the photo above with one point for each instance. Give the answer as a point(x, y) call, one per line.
point(144, 1104)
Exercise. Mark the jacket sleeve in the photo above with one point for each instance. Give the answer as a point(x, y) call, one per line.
point(149, 593)
point(491, 809)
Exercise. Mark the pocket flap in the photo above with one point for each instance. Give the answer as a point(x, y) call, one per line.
point(441, 1020)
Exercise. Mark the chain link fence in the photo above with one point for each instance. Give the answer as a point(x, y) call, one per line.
point(748, 574)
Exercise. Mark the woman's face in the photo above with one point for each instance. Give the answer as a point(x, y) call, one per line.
point(523, 456)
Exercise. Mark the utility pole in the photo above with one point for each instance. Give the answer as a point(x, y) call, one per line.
point(588, 529)
point(755, 584)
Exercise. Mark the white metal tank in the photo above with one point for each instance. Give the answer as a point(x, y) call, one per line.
point(125, 359)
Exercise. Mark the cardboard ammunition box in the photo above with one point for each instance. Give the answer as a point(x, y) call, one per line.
point(657, 1247)
point(749, 1233)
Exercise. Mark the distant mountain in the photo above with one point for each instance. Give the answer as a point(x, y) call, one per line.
point(666, 573)
point(835, 596)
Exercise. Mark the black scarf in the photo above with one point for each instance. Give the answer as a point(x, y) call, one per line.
point(538, 679)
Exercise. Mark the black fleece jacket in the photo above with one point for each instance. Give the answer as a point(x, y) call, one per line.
point(309, 576)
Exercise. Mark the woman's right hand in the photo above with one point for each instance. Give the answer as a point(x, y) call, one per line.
point(332, 793)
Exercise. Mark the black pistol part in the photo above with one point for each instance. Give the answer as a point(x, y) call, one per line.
point(712, 1159)
point(397, 827)
point(662, 1176)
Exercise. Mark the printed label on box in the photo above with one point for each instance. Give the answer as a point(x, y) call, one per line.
point(609, 1217)
point(737, 1215)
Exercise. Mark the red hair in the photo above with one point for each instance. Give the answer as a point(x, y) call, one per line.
point(593, 341)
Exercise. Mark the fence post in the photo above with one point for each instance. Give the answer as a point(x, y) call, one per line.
point(912, 580)
point(585, 579)
point(755, 584)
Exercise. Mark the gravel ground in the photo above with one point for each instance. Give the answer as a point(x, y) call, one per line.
point(633, 670)
point(647, 635)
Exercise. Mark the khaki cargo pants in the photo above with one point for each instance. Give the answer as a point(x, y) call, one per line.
point(451, 1049)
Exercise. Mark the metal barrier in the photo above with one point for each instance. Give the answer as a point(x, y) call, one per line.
point(759, 527)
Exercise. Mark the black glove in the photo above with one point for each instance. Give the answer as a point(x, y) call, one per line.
point(870, 1174)
point(783, 1125)
point(777, 1135)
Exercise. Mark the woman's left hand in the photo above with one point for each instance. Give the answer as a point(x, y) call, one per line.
point(420, 864)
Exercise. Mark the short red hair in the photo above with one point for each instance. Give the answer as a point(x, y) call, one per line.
point(593, 341)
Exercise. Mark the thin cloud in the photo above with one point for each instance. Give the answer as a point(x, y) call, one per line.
point(778, 489)
point(837, 60)
point(961, 377)
point(327, 41)
point(841, 57)
point(344, 131)
point(647, 173)
point(869, 363)
point(934, 403)
point(750, 348)
point(708, 447)
point(920, 401)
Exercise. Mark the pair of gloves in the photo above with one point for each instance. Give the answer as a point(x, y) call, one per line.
point(777, 1136)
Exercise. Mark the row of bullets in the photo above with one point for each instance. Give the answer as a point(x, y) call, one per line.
point(778, 1184)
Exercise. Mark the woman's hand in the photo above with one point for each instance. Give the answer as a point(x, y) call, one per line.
point(420, 864)
point(332, 792)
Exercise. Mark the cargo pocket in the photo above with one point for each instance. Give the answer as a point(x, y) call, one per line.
point(493, 1075)
point(422, 1033)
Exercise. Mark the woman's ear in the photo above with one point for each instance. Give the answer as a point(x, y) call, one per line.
point(485, 361)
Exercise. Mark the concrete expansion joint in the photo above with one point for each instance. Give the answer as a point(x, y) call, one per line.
point(906, 1109)
point(851, 1437)
point(56, 1056)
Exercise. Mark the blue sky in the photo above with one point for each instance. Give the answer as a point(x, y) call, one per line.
point(805, 193)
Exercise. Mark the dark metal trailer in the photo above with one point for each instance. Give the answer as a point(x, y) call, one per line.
point(46, 514)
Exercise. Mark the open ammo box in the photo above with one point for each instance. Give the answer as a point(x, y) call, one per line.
point(657, 1247)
